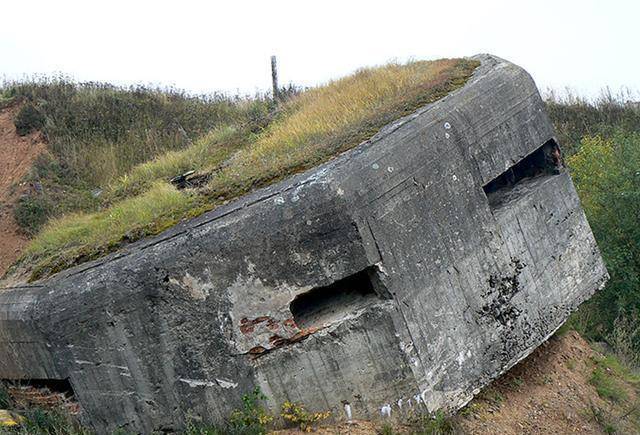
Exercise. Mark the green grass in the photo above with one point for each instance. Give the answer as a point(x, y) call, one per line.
point(434, 424)
point(309, 129)
point(609, 375)
point(207, 153)
point(607, 386)
point(66, 241)
point(98, 133)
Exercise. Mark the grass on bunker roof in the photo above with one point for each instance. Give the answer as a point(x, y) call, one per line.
point(308, 130)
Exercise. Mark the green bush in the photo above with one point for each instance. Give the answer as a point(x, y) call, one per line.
point(28, 119)
point(31, 212)
point(39, 421)
point(575, 118)
point(251, 419)
point(606, 172)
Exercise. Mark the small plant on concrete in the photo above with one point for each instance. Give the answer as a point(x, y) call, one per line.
point(297, 415)
point(253, 418)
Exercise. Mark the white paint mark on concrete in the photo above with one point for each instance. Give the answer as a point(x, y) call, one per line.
point(347, 411)
point(198, 383)
point(390, 169)
point(423, 396)
point(385, 411)
point(279, 200)
point(447, 135)
point(447, 126)
point(193, 383)
point(226, 384)
point(375, 166)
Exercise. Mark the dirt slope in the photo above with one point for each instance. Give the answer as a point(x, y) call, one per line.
point(17, 154)
point(548, 393)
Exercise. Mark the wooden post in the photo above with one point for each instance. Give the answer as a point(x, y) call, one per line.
point(274, 79)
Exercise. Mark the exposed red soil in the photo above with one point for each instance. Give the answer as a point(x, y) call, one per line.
point(17, 154)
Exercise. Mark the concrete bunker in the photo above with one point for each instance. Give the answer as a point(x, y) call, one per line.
point(475, 287)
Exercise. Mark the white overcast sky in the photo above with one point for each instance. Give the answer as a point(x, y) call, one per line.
point(203, 46)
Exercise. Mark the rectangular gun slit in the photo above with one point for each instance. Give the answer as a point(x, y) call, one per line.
point(545, 161)
point(325, 305)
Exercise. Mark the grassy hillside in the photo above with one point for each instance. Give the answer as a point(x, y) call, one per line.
point(234, 146)
point(97, 133)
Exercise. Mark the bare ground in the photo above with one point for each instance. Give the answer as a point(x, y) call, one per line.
point(17, 154)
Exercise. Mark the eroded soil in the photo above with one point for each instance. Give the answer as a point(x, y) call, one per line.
point(17, 154)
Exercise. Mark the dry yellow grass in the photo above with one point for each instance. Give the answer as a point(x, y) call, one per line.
point(325, 121)
point(311, 129)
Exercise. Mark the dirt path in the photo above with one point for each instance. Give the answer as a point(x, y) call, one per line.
point(17, 154)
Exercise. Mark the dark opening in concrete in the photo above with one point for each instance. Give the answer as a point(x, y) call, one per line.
point(40, 392)
point(324, 305)
point(544, 161)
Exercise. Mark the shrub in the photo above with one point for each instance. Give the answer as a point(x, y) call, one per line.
point(196, 428)
point(31, 212)
point(38, 421)
point(252, 418)
point(28, 119)
point(297, 415)
point(575, 118)
point(607, 178)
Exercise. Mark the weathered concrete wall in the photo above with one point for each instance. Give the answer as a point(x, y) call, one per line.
point(424, 291)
